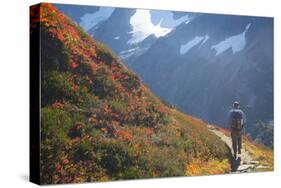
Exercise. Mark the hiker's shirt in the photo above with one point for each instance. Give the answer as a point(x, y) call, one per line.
point(243, 121)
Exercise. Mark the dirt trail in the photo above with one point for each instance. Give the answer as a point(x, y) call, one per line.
point(244, 161)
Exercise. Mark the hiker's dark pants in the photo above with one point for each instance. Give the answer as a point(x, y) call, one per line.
point(236, 137)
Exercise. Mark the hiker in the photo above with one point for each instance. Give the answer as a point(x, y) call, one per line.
point(237, 120)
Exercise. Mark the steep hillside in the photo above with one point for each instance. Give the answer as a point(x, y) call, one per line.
point(99, 122)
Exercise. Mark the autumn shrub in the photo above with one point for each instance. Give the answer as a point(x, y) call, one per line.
point(130, 81)
point(199, 167)
point(99, 122)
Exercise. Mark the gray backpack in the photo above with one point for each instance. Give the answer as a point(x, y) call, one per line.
point(236, 120)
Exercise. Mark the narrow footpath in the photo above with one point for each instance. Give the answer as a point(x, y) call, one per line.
point(244, 161)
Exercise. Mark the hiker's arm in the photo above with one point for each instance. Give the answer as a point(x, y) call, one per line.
point(244, 118)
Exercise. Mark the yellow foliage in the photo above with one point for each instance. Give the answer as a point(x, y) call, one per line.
point(260, 153)
point(198, 167)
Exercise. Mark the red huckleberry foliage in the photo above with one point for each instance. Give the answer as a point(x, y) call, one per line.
point(100, 122)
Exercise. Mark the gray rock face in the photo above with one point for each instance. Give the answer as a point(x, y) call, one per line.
point(115, 31)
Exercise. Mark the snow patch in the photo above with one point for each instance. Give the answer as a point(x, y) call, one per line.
point(195, 41)
point(129, 50)
point(88, 20)
point(153, 22)
point(167, 18)
point(117, 38)
point(127, 53)
point(236, 43)
point(206, 37)
point(142, 27)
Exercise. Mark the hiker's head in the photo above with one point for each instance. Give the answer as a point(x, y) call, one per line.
point(236, 104)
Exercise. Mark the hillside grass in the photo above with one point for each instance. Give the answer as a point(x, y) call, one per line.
point(264, 155)
point(260, 153)
point(99, 122)
point(210, 155)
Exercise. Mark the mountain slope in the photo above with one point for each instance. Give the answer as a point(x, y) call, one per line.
point(203, 66)
point(205, 62)
point(99, 122)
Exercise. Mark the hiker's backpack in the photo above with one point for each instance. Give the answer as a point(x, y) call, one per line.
point(236, 120)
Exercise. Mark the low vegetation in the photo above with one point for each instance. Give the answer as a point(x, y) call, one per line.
point(261, 153)
point(100, 122)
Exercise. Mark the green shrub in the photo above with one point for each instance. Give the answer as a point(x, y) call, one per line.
point(117, 106)
point(80, 30)
point(106, 54)
point(116, 158)
point(82, 151)
point(55, 86)
point(56, 57)
point(164, 162)
point(104, 85)
point(55, 124)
